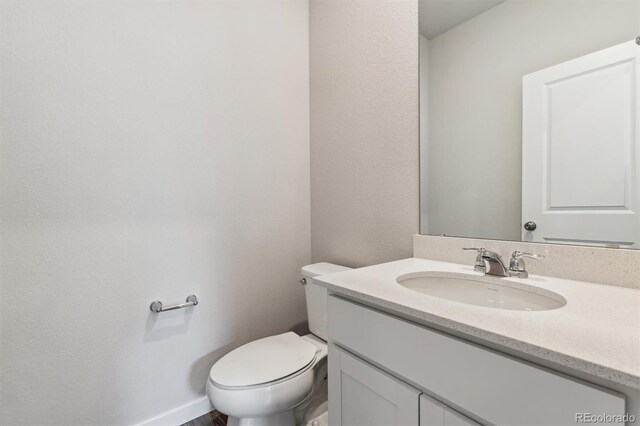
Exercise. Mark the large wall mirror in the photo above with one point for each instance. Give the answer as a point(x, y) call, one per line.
point(529, 120)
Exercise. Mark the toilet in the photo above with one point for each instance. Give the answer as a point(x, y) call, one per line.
point(263, 382)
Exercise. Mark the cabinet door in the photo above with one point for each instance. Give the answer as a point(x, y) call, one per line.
point(360, 394)
point(434, 413)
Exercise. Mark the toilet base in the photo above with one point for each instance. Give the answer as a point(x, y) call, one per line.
point(282, 418)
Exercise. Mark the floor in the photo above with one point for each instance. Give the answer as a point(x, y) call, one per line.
point(213, 418)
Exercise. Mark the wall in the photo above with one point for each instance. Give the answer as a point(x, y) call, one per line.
point(149, 150)
point(424, 134)
point(364, 129)
point(475, 99)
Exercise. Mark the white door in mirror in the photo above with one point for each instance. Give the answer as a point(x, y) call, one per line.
point(581, 150)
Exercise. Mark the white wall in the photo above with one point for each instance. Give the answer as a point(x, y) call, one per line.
point(149, 150)
point(364, 129)
point(424, 134)
point(475, 97)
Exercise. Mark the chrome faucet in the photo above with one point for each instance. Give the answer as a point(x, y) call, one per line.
point(491, 263)
point(517, 266)
point(480, 265)
point(494, 264)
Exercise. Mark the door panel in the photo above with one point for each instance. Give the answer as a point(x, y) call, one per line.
point(431, 412)
point(453, 418)
point(580, 147)
point(360, 394)
point(434, 413)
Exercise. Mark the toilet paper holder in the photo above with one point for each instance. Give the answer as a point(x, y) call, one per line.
point(157, 307)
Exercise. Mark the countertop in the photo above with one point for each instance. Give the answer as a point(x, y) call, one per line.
point(597, 332)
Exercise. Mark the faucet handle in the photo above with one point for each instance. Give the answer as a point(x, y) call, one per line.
point(519, 255)
point(517, 266)
point(480, 265)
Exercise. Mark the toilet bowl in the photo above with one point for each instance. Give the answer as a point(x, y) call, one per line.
point(255, 388)
point(263, 382)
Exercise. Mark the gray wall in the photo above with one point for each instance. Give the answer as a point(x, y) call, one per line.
point(475, 102)
point(149, 150)
point(364, 130)
point(424, 134)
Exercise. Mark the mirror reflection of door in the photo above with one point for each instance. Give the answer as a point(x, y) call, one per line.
point(581, 150)
point(529, 120)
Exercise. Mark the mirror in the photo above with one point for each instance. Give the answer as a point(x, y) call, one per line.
point(529, 124)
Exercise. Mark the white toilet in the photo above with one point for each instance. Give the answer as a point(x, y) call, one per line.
point(263, 382)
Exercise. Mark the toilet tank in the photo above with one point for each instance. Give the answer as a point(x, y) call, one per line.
point(317, 296)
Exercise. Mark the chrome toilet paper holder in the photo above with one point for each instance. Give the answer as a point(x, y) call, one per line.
point(157, 306)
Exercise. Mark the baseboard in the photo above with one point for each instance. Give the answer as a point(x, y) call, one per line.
point(180, 415)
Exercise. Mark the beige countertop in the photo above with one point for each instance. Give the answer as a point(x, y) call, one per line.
point(597, 332)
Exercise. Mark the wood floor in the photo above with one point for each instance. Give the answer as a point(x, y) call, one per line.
point(213, 418)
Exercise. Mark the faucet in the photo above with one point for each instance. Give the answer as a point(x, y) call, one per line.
point(494, 264)
point(517, 266)
point(491, 263)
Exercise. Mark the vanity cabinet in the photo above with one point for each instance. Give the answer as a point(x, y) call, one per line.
point(489, 386)
point(434, 413)
point(361, 394)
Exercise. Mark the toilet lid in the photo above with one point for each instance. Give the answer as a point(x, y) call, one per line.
point(263, 361)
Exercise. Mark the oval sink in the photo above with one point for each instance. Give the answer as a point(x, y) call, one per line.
point(491, 292)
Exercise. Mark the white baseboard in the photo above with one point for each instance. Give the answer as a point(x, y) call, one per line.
point(180, 415)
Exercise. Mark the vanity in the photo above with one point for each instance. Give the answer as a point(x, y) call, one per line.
point(529, 147)
point(556, 352)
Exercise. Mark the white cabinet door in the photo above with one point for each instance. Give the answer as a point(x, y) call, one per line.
point(434, 413)
point(581, 150)
point(360, 394)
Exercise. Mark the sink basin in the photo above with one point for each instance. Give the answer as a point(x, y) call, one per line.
point(487, 291)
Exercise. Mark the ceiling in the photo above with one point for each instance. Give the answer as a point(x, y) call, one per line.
point(438, 16)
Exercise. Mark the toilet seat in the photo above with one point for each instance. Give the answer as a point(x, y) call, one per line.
point(267, 403)
point(264, 362)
